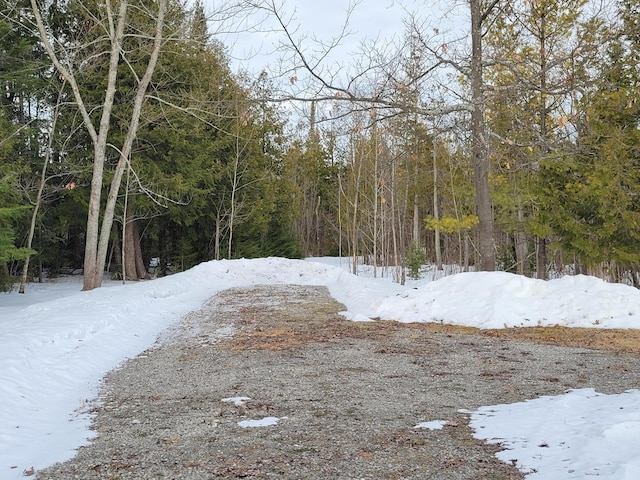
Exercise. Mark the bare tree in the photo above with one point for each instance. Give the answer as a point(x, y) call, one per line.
point(97, 235)
point(41, 193)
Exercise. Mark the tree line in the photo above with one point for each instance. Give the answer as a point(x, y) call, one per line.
point(125, 136)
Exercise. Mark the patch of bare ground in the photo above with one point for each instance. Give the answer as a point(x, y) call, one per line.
point(613, 340)
point(348, 395)
point(288, 332)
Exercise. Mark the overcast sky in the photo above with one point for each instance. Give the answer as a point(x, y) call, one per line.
point(381, 20)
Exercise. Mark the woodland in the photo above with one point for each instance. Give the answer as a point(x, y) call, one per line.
point(127, 141)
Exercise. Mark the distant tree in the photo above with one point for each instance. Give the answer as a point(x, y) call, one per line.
point(42, 189)
point(24, 115)
point(9, 213)
point(314, 179)
point(376, 86)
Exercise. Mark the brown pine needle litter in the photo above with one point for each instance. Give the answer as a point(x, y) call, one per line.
point(286, 332)
point(614, 340)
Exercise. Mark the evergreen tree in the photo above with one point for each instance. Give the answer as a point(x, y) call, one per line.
point(594, 209)
point(11, 211)
point(24, 116)
point(538, 46)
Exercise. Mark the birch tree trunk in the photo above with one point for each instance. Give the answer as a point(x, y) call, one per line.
point(125, 153)
point(235, 181)
point(354, 218)
point(97, 235)
point(436, 213)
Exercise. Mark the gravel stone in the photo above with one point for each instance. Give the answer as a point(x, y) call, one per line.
point(346, 395)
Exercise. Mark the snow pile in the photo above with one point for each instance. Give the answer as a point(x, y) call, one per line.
point(500, 299)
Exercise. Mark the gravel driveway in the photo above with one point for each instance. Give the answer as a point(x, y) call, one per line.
point(342, 398)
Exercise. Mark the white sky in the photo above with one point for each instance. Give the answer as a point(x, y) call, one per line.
point(371, 20)
point(57, 343)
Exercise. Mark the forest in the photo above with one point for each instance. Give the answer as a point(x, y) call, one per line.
point(129, 144)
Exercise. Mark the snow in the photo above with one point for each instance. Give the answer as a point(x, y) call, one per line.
point(237, 401)
point(263, 422)
point(432, 425)
point(500, 299)
point(603, 441)
point(56, 343)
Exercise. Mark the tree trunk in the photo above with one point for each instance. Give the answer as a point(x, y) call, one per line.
point(133, 261)
point(116, 248)
point(541, 258)
point(465, 266)
point(92, 269)
point(141, 268)
point(317, 226)
point(32, 226)
point(354, 218)
point(216, 247)
point(97, 236)
point(521, 246)
point(125, 153)
point(376, 187)
point(399, 264)
point(129, 257)
point(436, 213)
point(480, 147)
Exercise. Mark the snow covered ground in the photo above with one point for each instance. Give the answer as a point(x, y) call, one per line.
point(57, 342)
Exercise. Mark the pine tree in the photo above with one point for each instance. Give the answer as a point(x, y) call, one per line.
point(10, 212)
point(595, 208)
point(542, 50)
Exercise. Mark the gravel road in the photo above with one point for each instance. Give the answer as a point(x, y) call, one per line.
point(346, 395)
